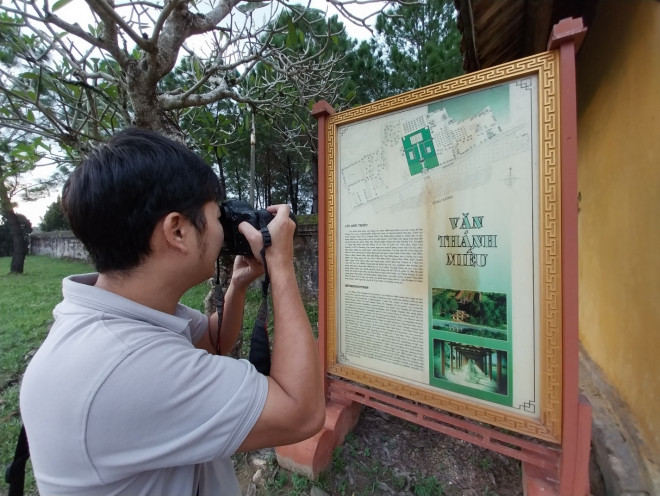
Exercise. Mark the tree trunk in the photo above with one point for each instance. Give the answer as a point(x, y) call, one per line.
point(237, 176)
point(7, 211)
point(18, 257)
point(224, 275)
point(266, 182)
point(315, 182)
point(221, 173)
point(142, 92)
point(293, 197)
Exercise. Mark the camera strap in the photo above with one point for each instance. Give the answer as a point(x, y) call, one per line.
point(219, 301)
point(260, 343)
point(15, 472)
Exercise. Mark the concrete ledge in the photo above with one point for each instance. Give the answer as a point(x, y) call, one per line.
point(617, 445)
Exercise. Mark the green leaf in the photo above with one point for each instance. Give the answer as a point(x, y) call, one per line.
point(30, 116)
point(59, 4)
point(292, 37)
point(222, 121)
point(39, 143)
point(112, 92)
point(197, 68)
point(30, 75)
point(21, 147)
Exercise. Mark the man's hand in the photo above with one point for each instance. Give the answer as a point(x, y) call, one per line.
point(281, 230)
point(246, 271)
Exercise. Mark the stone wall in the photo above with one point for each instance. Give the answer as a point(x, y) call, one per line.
point(58, 244)
point(306, 255)
point(63, 244)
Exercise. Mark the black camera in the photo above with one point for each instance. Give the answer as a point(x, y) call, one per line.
point(233, 212)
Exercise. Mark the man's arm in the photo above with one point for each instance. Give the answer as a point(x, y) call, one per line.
point(295, 406)
point(245, 271)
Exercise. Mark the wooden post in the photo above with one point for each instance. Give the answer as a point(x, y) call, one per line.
point(322, 110)
point(573, 469)
point(567, 35)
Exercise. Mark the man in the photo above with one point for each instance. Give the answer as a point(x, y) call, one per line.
point(125, 396)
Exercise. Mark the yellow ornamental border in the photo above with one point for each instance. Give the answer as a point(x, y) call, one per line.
point(549, 426)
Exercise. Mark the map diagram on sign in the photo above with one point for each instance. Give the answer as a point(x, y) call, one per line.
point(425, 154)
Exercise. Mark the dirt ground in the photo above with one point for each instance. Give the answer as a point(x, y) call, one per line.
point(385, 455)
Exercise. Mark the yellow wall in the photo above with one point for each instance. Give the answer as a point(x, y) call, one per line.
point(618, 72)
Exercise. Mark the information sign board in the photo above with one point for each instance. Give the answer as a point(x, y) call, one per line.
point(443, 256)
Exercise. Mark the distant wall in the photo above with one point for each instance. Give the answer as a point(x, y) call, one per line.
point(306, 258)
point(63, 244)
point(58, 244)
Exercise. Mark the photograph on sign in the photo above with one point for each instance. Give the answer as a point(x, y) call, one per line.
point(475, 367)
point(437, 265)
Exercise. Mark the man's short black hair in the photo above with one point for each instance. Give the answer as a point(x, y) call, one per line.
point(116, 196)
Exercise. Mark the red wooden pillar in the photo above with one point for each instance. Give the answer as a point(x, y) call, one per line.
point(322, 110)
point(566, 36)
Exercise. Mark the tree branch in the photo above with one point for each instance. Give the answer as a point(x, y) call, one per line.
point(110, 16)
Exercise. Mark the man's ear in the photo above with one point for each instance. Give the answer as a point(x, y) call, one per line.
point(176, 231)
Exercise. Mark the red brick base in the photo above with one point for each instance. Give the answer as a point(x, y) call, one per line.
point(314, 455)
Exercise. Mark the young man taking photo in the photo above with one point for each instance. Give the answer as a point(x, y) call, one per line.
point(126, 395)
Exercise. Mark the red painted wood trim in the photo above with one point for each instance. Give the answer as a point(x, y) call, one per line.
point(321, 110)
point(583, 445)
point(567, 34)
point(531, 452)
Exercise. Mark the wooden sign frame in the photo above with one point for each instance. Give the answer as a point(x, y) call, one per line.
point(547, 423)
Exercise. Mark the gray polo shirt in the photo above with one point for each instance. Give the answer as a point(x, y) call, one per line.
point(118, 401)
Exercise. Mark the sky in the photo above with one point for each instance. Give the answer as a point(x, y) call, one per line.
point(35, 210)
